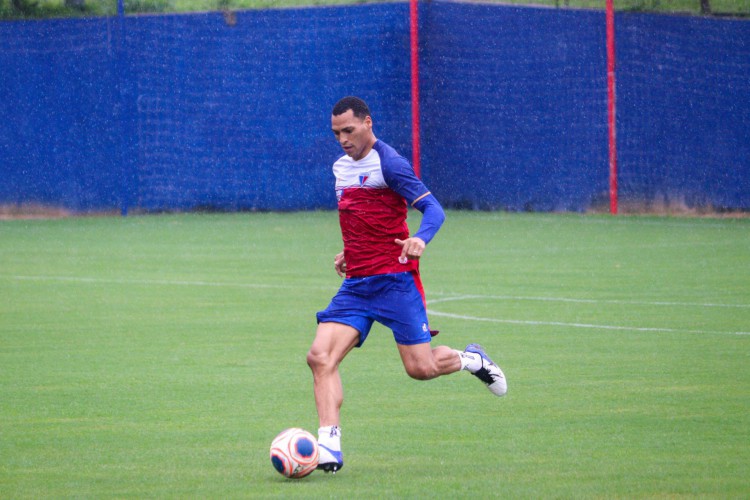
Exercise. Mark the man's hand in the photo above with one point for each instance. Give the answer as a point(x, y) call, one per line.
point(340, 264)
point(411, 249)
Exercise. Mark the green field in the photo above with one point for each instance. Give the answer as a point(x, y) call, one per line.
point(157, 356)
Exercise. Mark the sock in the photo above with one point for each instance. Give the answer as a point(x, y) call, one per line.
point(330, 437)
point(469, 360)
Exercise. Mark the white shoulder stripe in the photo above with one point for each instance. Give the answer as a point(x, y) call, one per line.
point(367, 172)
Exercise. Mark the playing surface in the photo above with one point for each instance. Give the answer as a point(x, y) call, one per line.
point(158, 356)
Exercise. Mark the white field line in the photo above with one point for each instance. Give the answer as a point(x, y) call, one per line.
point(587, 301)
point(626, 246)
point(76, 279)
point(118, 281)
point(631, 221)
point(580, 301)
point(577, 325)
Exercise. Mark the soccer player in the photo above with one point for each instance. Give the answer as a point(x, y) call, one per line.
point(380, 263)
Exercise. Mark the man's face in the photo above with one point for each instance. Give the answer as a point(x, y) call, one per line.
point(354, 134)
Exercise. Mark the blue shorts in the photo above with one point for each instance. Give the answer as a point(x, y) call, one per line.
point(394, 300)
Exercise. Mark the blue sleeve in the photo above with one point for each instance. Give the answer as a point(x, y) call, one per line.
point(433, 217)
point(399, 175)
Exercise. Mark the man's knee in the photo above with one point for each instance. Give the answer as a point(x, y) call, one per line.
point(332, 342)
point(318, 359)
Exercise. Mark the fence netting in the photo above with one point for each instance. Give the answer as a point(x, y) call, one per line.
point(230, 111)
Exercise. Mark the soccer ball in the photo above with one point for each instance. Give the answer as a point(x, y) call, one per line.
point(294, 453)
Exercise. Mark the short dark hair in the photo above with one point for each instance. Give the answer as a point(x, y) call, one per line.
point(357, 105)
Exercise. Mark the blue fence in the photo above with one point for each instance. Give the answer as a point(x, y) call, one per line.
point(515, 107)
point(232, 112)
point(684, 109)
point(58, 129)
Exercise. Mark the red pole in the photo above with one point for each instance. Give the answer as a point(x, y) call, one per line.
point(414, 35)
point(611, 107)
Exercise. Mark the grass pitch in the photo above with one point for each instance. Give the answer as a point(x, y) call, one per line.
point(158, 356)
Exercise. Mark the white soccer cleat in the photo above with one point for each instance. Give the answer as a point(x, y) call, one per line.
point(330, 460)
point(491, 374)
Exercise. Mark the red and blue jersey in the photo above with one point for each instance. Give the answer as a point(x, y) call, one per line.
point(374, 194)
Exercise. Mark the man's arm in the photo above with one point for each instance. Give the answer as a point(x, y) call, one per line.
point(433, 217)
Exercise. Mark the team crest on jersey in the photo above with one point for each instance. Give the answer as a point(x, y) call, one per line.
point(363, 178)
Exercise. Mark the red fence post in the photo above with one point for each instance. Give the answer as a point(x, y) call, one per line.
point(611, 107)
point(414, 35)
